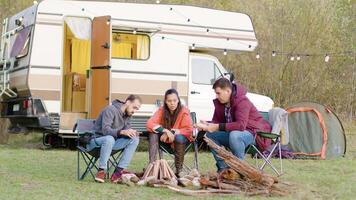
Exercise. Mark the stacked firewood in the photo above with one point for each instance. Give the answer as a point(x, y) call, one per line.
point(158, 172)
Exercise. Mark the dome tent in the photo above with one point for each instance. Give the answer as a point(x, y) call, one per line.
point(315, 131)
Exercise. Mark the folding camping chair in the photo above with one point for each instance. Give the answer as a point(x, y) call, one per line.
point(278, 118)
point(85, 128)
point(165, 148)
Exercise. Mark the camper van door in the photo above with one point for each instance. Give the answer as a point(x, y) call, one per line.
point(203, 73)
point(100, 65)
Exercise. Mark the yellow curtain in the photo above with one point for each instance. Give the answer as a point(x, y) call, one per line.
point(80, 55)
point(121, 50)
point(142, 47)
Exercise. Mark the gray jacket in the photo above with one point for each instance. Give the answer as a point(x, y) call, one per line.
point(112, 120)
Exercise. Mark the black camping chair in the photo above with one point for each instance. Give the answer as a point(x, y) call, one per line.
point(166, 148)
point(85, 130)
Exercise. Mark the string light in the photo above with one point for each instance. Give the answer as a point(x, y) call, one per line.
point(258, 56)
point(225, 52)
point(193, 46)
point(158, 1)
point(273, 53)
point(298, 57)
point(35, 2)
point(327, 58)
point(134, 31)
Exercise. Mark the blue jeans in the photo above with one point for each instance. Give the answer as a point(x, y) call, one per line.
point(236, 141)
point(107, 144)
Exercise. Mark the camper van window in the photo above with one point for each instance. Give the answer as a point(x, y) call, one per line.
point(21, 45)
point(130, 46)
point(204, 71)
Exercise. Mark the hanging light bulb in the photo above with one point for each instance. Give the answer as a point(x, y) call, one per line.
point(134, 31)
point(258, 56)
point(327, 58)
point(193, 46)
point(225, 52)
point(292, 58)
point(298, 57)
point(273, 53)
point(158, 1)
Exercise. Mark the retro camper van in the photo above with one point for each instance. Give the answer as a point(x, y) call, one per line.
point(63, 60)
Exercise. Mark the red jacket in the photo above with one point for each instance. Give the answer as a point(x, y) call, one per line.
point(244, 116)
point(183, 122)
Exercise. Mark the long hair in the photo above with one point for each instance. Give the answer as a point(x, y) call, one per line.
point(169, 118)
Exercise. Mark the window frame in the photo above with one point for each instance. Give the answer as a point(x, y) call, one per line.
point(138, 33)
point(215, 68)
point(26, 44)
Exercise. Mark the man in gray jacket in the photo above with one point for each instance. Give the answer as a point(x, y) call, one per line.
point(113, 132)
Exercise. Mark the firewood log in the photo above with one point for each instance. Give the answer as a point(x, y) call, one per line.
point(147, 171)
point(240, 166)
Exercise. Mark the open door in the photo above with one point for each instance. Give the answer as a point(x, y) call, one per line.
point(100, 65)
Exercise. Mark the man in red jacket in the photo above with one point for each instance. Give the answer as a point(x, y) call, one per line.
point(235, 121)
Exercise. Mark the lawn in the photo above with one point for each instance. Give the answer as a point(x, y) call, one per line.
point(28, 171)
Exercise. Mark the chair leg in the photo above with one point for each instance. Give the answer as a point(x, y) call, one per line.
point(90, 165)
point(267, 160)
point(78, 167)
point(196, 155)
point(280, 157)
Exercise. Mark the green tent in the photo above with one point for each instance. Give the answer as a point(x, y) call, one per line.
point(315, 131)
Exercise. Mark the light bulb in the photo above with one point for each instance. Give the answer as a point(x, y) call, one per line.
point(292, 58)
point(327, 58)
point(258, 56)
point(273, 53)
point(298, 57)
point(225, 52)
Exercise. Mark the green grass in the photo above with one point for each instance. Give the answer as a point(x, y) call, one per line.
point(30, 172)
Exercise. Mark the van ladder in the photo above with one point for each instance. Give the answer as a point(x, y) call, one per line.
point(5, 72)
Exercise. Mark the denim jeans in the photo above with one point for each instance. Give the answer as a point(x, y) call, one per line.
point(108, 143)
point(236, 141)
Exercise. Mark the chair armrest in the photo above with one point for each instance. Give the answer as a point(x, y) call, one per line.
point(267, 135)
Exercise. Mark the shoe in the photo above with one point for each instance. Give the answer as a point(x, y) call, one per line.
point(100, 176)
point(116, 176)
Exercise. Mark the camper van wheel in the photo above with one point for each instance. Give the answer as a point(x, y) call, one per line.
point(52, 140)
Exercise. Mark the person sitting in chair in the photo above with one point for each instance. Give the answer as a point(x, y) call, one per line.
point(113, 132)
point(170, 124)
point(235, 121)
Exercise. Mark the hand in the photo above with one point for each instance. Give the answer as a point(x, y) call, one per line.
point(212, 127)
point(202, 126)
point(170, 135)
point(129, 133)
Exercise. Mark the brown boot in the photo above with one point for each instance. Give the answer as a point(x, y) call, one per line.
point(179, 150)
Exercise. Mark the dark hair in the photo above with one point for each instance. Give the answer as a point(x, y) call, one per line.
point(133, 97)
point(169, 118)
point(222, 83)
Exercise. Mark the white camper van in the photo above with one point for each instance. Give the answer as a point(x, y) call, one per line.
point(63, 60)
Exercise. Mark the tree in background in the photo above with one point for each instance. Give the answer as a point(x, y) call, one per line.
point(296, 28)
